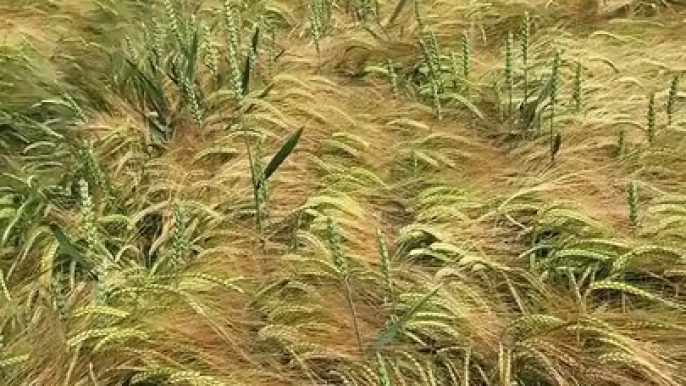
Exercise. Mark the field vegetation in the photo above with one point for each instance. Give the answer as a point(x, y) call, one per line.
point(342, 192)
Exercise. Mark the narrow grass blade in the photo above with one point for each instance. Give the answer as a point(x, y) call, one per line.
point(392, 331)
point(396, 11)
point(65, 244)
point(248, 65)
point(282, 154)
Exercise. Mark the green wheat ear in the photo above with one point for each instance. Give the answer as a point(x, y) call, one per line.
point(454, 69)
point(621, 141)
point(577, 94)
point(392, 78)
point(671, 99)
point(175, 22)
point(191, 95)
point(652, 121)
point(431, 55)
point(384, 377)
point(335, 244)
point(634, 204)
point(88, 220)
point(466, 60)
point(509, 71)
point(386, 269)
point(271, 46)
point(233, 27)
point(180, 247)
point(316, 26)
point(211, 57)
point(3, 289)
point(434, 57)
point(526, 41)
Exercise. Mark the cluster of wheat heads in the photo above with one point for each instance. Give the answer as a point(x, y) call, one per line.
point(340, 192)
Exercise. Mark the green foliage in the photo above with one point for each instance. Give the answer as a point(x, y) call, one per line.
point(286, 149)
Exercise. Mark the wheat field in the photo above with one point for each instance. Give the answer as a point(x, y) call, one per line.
point(342, 192)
